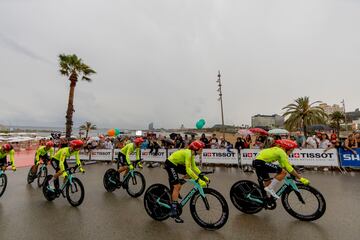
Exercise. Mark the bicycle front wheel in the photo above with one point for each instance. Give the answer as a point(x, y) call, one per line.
point(307, 205)
point(75, 192)
point(3, 184)
point(136, 185)
point(154, 194)
point(210, 212)
point(30, 177)
point(42, 176)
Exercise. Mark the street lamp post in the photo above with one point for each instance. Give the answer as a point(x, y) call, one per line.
point(221, 103)
point(346, 126)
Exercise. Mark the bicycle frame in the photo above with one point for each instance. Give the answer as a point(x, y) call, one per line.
point(197, 188)
point(288, 181)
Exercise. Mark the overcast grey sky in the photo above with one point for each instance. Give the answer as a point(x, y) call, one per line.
point(157, 60)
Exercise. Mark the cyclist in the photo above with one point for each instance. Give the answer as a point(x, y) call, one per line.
point(42, 152)
point(183, 162)
point(124, 155)
point(263, 165)
point(60, 164)
point(5, 150)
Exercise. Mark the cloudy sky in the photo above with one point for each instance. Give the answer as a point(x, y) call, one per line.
point(157, 60)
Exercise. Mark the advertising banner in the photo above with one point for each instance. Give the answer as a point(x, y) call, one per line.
point(102, 154)
point(305, 157)
point(151, 157)
point(349, 159)
point(220, 156)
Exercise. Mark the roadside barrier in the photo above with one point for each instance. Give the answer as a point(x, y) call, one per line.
point(303, 157)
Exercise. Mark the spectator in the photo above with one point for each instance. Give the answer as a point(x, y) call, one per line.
point(179, 142)
point(324, 141)
point(336, 145)
point(312, 142)
point(223, 143)
point(357, 136)
point(108, 144)
point(259, 142)
point(192, 138)
point(154, 146)
point(240, 144)
point(248, 141)
point(204, 140)
point(186, 140)
point(351, 143)
point(333, 137)
point(214, 142)
point(300, 139)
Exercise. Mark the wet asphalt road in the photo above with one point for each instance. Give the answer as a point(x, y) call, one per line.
point(25, 214)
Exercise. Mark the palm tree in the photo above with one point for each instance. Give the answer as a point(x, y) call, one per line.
point(73, 67)
point(302, 113)
point(336, 118)
point(87, 127)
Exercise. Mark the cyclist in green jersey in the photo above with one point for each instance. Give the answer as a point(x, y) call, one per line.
point(263, 165)
point(124, 155)
point(183, 162)
point(42, 153)
point(59, 162)
point(5, 150)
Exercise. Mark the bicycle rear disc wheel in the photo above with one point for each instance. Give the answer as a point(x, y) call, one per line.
point(3, 184)
point(75, 192)
point(42, 176)
point(211, 212)
point(136, 185)
point(111, 174)
point(153, 194)
point(314, 205)
point(238, 195)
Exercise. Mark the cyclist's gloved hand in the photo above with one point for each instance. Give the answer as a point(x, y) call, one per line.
point(13, 168)
point(202, 183)
point(140, 165)
point(131, 167)
point(82, 170)
point(206, 179)
point(304, 181)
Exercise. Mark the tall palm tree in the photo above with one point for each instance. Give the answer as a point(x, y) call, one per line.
point(302, 113)
point(87, 127)
point(336, 118)
point(73, 67)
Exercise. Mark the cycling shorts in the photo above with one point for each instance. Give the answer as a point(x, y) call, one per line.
point(263, 169)
point(173, 172)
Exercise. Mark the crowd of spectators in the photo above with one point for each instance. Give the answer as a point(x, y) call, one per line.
point(317, 140)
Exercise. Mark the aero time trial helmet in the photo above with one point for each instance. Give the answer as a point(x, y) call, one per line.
point(138, 141)
point(286, 144)
point(7, 147)
point(196, 145)
point(76, 144)
point(49, 144)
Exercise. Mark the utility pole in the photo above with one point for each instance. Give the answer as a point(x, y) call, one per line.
point(346, 126)
point(221, 103)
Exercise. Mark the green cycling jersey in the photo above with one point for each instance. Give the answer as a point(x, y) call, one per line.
point(129, 149)
point(63, 153)
point(274, 154)
point(11, 153)
point(41, 151)
point(184, 157)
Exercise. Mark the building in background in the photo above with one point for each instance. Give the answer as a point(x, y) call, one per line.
point(267, 121)
point(330, 109)
point(151, 126)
